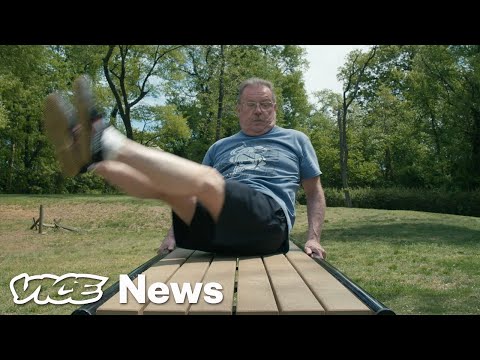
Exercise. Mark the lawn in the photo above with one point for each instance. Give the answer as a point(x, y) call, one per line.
point(413, 262)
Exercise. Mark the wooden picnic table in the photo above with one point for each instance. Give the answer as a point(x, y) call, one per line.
point(291, 283)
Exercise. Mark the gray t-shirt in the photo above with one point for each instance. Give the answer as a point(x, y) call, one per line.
point(273, 163)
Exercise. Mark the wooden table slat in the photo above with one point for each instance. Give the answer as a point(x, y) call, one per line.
point(254, 293)
point(191, 272)
point(292, 283)
point(161, 271)
point(222, 271)
point(292, 294)
point(335, 298)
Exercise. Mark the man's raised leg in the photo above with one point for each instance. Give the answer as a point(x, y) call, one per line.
point(94, 141)
point(175, 176)
point(136, 183)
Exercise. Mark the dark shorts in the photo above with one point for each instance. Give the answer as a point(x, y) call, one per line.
point(250, 223)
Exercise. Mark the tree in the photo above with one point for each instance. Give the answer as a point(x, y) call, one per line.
point(445, 83)
point(130, 72)
point(23, 83)
point(352, 75)
point(322, 129)
point(207, 95)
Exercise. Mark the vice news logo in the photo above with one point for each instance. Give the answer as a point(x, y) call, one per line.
point(39, 288)
point(58, 290)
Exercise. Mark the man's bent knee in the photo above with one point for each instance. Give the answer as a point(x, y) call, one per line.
point(211, 180)
point(212, 191)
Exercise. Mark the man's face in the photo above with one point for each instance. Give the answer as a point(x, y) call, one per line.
point(257, 112)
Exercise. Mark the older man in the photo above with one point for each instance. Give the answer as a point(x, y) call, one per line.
point(240, 201)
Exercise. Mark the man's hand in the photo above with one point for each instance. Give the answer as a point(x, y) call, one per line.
point(315, 215)
point(314, 249)
point(168, 244)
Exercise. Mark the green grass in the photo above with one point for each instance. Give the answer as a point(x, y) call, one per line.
point(413, 262)
point(119, 233)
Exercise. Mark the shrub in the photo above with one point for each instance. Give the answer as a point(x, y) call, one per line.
point(437, 201)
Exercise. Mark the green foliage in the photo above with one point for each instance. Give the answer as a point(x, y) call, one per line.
point(324, 137)
point(89, 183)
point(165, 128)
point(206, 67)
point(436, 201)
point(445, 83)
point(23, 83)
point(414, 123)
point(3, 116)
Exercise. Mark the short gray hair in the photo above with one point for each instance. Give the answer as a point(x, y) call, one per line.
point(255, 82)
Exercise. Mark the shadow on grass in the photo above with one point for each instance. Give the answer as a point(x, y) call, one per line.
point(403, 233)
point(418, 299)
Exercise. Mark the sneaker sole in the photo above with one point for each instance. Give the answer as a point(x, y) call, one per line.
point(56, 125)
point(84, 104)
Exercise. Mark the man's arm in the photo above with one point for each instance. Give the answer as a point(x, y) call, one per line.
point(316, 214)
point(168, 244)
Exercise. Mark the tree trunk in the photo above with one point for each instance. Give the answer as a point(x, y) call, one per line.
point(113, 115)
point(128, 122)
point(221, 94)
point(10, 168)
point(436, 135)
point(475, 163)
point(388, 165)
point(341, 119)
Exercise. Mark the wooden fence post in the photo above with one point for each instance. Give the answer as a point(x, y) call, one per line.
point(40, 222)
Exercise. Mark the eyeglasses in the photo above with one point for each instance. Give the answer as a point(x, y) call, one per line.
point(264, 105)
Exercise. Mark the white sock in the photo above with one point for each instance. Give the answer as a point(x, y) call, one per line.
point(112, 141)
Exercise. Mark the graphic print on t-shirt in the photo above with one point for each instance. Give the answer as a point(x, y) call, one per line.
point(258, 159)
